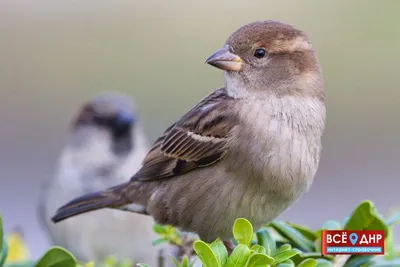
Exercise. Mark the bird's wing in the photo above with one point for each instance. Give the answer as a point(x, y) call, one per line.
point(198, 139)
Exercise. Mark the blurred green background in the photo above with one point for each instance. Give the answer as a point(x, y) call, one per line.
point(56, 54)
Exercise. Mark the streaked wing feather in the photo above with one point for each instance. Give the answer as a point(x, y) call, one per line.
point(197, 140)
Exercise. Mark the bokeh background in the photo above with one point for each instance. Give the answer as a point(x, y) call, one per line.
point(56, 54)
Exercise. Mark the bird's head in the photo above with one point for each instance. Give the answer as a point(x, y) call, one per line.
point(108, 118)
point(269, 56)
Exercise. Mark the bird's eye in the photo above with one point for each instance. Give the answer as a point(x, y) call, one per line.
point(260, 53)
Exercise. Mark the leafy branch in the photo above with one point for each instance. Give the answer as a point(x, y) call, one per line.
point(278, 244)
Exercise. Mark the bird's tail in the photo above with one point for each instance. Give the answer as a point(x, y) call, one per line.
point(113, 197)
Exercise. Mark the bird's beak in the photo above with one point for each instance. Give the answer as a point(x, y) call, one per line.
point(124, 118)
point(225, 60)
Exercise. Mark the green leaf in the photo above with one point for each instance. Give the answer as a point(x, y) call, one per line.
point(344, 221)
point(365, 217)
point(394, 219)
point(160, 229)
point(390, 252)
point(283, 248)
point(287, 263)
point(380, 262)
point(159, 241)
point(205, 254)
point(259, 249)
point(126, 263)
point(358, 260)
point(3, 253)
point(285, 255)
point(310, 255)
point(176, 262)
point(293, 235)
point(318, 241)
point(56, 257)
point(243, 231)
point(259, 260)
point(280, 244)
point(142, 265)
point(239, 256)
point(332, 225)
point(306, 232)
point(192, 263)
point(314, 255)
point(323, 263)
point(185, 261)
point(220, 252)
point(110, 261)
point(308, 263)
point(264, 238)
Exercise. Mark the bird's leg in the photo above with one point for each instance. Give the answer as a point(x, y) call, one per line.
point(229, 246)
point(186, 248)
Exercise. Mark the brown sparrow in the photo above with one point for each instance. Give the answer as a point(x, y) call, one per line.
point(105, 145)
point(249, 149)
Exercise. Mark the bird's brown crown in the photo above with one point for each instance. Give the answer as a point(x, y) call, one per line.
point(108, 112)
point(105, 107)
point(274, 36)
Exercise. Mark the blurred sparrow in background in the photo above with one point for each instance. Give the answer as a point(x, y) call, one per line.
point(249, 149)
point(105, 146)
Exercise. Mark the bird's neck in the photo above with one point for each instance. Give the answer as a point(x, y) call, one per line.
point(235, 85)
point(306, 85)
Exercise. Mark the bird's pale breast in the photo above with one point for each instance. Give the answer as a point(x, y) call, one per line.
point(272, 160)
point(282, 141)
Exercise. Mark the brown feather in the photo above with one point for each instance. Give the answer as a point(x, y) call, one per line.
point(198, 139)
point(111, 198)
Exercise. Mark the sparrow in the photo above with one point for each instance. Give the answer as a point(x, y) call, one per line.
point(249, 149)
point(105, 145)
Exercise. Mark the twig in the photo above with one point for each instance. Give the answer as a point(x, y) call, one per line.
point(161, 258)
point(186, 248)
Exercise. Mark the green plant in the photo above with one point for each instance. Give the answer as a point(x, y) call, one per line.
point(183, 241)
point(247, 253)
point(185, 262)
point(284, 244)
point(278, 244)
point(54, 257)
point(168, 234)
point(364, 217)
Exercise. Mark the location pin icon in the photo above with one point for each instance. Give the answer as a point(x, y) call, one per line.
point(353, 238)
